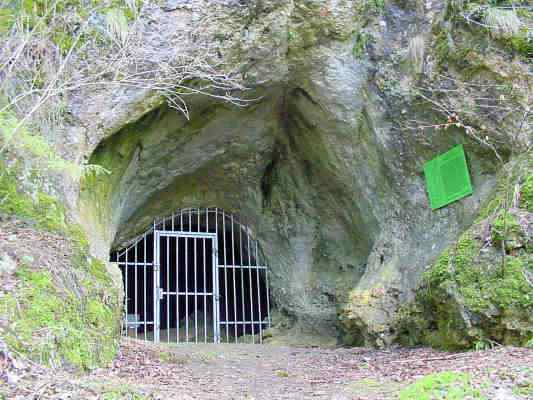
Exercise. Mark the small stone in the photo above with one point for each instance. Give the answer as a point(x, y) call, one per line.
point(27, 259)
point(172, 5)
point(7, 265)
point(12, 378)
point(18, 364)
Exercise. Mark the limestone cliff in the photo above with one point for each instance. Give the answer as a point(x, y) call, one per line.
point(345, 102)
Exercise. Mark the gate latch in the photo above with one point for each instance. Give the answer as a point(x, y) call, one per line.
point(160, 293)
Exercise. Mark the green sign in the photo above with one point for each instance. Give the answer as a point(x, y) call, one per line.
point(447, 178)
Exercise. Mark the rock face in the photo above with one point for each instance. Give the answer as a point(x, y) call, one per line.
point(322, 163)
point(475, 294)
point(317, 166)
point(58, 305)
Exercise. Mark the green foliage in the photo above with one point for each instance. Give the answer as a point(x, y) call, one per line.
point(511, 27)
point(122, 393)
point(6, 20)
point(362, 40)
point(502, 22)
point(443, 385)
point(484, 344)
point(522, 43)
point(55, 326)
point(526, 194)
point(117, 25)
point(371, 6)
point(60, 20)
point(505, 226)
point(291, 35)
point(448, 51)
point(505, 23)
point(34, 10)
point(63, 40)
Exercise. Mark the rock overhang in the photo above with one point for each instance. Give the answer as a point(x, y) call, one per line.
point(318, 164)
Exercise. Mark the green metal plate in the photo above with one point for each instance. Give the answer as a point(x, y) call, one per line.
point(447, 178)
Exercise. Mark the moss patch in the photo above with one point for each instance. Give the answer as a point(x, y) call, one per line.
point(57, 327)
point(57, 314)
point(44, 210)
point(443, 385)
point(526, 194)
point(477, 291)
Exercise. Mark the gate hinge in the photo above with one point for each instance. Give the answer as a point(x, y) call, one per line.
point(160, 294)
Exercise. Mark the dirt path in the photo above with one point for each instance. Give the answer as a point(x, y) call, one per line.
point(227, 372)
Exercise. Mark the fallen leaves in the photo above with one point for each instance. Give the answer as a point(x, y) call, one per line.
point(231, 372)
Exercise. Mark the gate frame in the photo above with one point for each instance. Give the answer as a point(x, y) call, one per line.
point(217, 265)
point(158, 291)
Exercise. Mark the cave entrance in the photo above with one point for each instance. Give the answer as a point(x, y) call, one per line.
point(196, 276)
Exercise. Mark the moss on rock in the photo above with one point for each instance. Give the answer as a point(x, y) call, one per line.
point(478, 290)
point(63, 312)
point(57, 326)
point(45, 211)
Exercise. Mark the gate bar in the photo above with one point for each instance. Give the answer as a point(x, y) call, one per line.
point(205, 277)
point(144, 275)
point(215, 283)
point(127, 298)
point(251, 296)
point(258, 297)
point(242, 278)
point(268, 297)
point(194, 242)
point(234, 285)
point(183, 293)
point(157, 317)
point(225, 273)
point(186, 290)
point(136, 264)
point(136, 297)
point(177, 290)
point(204, 255)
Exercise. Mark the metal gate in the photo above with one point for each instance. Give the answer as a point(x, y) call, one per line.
point(196, 276)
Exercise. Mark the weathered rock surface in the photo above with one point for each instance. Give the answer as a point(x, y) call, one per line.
point(476, 295)
point(319, 165)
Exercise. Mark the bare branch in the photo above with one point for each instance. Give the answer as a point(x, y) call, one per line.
point(133, 58)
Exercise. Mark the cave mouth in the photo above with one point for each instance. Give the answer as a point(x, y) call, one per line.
point(197, 276)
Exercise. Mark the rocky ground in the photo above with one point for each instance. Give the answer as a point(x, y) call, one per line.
point(148, 371)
